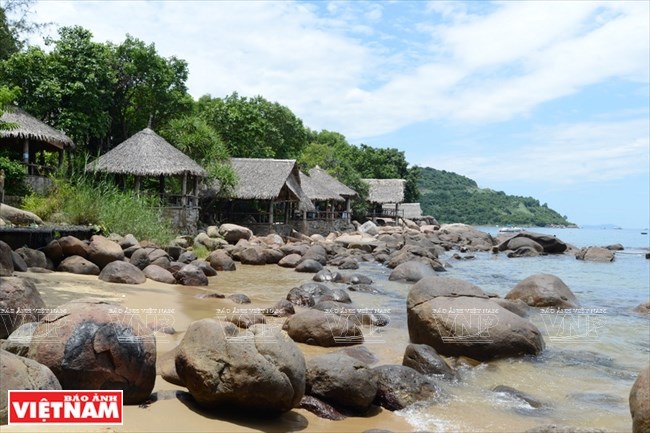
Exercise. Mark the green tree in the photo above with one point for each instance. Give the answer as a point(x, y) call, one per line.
point(192, 135)
point(8, 41)
point(255, 127)
point(148, 87)
point(13, 31)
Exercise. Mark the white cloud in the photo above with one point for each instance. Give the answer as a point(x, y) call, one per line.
point(561, 155)
point(333, 64)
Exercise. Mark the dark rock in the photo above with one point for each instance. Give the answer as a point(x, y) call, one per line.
point(351, 279)
point(320, 408)
point(122, 273)
point(72, 246)
point(187, 257)
point(272, 256)
point(290, 261)
point(412, 271)
point(615, 247)
point(19, 263)
point(174, 251)
point(337, 295)
point(53, 251)
point(239, 298)
point(156, 273)
point(140, 258)
point(512, 392)
point(424, 359)
point(543, 290)
point(550, 244)
point(318, 328)
point(342, 381)
point(128, 241)
point(99, 345)
point(349, 264)
point(244, 320)
point(640, 403)
point(323, 275)
point(19, 303)
point(361, 353)
point(190, 275)
point(317, 253)
point(78, 265)
point(260, 370)
point(208, 270)
point(399, 387)
point(18, 373)
point(473, 326)
point(221, 261)
point(102, 251)
point(523, 252)
point(253, 255)
point(363, 288)
point(33, 258)
point(309, 265)
point(307, 294)
point(283, 308)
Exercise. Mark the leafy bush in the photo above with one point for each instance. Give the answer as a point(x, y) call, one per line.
point(14, 176)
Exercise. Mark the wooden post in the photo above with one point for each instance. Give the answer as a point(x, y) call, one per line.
point(195, 192)
point(184, 190)
point(287, 206)
point(137, 185)
point(271, 212)
point(60, 158)
point(348, 209)
point(161, 189)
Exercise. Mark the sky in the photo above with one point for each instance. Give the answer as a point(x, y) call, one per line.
point(545, 99)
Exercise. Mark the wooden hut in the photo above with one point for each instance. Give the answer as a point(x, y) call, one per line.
point(146, 154)
point(322, 198)
point(263, 186)
point(331, 183)
point(383, 191)
point(31, 138)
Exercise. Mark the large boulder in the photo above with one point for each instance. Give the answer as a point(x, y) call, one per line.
point(342, 381)
point(253, 255)
point(33, 258)
point(640, 403)
point(18, 216)
point(290, 261)
point(71, 246)
point(102, 251)
point(595, 254)
point(18, 373)
point(232, 233)
point(543, 290)
point(412, 271)
point(319, 328)
point(517, 242)
point(156, 273)
point(122, 273)
point(6, 260)
point(459, 320)
point(466, 236)
point(221, 261)
point(309, 266)
point(19, 303)
point(259, 369)
point(550, 243)
point(190, 275)
point(316, 252)
point(424, 359)
point(399, 386)
point(53, 251)
point(78, 265)
point(19, 340)
point(98, 345)
point(20, 265)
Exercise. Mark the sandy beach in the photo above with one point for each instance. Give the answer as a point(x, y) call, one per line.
point(179, 304)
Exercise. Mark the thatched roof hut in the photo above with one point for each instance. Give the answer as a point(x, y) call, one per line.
point(269, 179)
point(331, 183)
point(146, 154)
point(40, 135)
point(410, 210)
point(385, 190)
point(316, 191)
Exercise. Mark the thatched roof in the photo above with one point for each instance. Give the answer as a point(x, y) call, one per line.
point(331, 183)
point(385, 190)
point(146, 154)
point(269, 179)
point(39, 134)
point(411, 210)
point(316, 190)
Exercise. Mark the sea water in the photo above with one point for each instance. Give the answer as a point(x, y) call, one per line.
point(591, 358)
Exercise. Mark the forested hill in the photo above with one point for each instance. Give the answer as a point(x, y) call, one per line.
point(452, 198)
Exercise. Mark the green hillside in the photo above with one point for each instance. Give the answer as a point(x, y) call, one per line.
point(452, 198)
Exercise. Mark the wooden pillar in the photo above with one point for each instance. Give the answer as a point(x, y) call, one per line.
point(136, 186)
point(195, 191)
point(184, 190)
point(287, 205)
point(348, 209)
point(271, 212)
point(60, 158)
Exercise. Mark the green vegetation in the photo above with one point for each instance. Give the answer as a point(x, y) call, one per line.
point(85, 200)
point(452, 198)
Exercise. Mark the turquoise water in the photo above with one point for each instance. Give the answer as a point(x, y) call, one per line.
point(590, 361)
